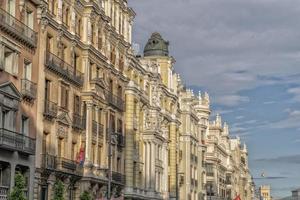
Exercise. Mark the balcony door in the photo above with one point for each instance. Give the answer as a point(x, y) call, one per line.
point(25, 126)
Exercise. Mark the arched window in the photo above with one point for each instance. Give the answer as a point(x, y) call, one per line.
point(100, 44)
point(113, 56)
point(67, 17)
point(121, 64)
point(79, 26)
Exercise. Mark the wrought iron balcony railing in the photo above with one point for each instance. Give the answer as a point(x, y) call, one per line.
point(115, 101)
point(118, 177)
point(50, 109)
point(54, 163)
point(28, 89)
point(63, 69)
point(78, 122)
point(17, 29)
point(14, 141)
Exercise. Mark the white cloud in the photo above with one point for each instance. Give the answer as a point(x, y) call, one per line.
point(291, 121)
point(296, 93)
point(226, 46)
point(231, 100)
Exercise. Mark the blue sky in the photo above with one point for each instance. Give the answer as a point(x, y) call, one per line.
point(246, 54)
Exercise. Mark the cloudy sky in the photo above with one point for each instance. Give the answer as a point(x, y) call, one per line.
point(246, 54)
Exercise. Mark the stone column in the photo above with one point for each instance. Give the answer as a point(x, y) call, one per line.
point(89, 134)
point(129, 134)
point(97, 138)
point(12, 174)
point(104, 155)
point(173, 160)
point(152, 166)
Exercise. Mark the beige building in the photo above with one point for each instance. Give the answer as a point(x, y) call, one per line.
point(152, 124)
point(227, 169)
point(83, 54)
point(77, 106)
point(18, 97)
point(195, 118)
point(265, 192)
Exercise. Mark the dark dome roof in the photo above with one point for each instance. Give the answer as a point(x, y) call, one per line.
point(156, 46)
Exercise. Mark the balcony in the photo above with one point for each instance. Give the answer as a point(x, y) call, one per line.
point(14, 141)
point(28, 89)
point(50, 110)
point(4, 191)
point(115, 101)
point(17, 29)
point(63, 69)
point(119, 178)
point(78, 122)
point(61, 164)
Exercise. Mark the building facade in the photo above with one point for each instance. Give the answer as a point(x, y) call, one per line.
point(83, 55)
point(152, 124)
point(77, 106)
point(18, 97)
point(227, 169)
point(195, 118)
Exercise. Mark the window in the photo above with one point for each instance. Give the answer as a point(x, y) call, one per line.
point(29, 18)
point(11, 6)
point(76, 62)
point(60, 147)
point(73, 150)
point(113, 56)
point(92, 34)
point(64, 96)
point(44, 144)
point(49, 43)
point(120, 91)
point(120, 126)
point(119, 164)
point(10, 61)
point(99, 39)
point(76, 104)
point(112, 123)
point(27, 70)
point(47, 89)
point(25, 126)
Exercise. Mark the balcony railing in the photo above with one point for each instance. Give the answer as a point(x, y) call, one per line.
point(4, 191)
point(61, 164)
point(17, 29)
point(28, 89)
point(78, 122)
point(115, 101)
point(16, 142)
point(63, 69)
point(118, 178)
point(50, 109)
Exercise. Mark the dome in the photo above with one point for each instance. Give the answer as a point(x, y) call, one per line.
point(156, 46)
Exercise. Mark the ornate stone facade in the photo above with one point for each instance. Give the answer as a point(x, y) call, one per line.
point(77, 106)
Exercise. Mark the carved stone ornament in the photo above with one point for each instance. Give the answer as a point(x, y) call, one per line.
point(62, 131)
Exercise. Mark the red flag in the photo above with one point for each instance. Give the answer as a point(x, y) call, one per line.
point(80, 156)
point(237, 197)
